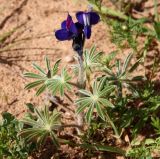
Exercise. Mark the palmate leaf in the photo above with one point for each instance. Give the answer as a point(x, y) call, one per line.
point(42, 127)
point(120, 75)
point(95, 100)
point(43, 76)
point(58, 84)
point(91, 59)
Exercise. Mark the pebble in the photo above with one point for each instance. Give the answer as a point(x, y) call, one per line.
point(69, 59)
point(68, 115)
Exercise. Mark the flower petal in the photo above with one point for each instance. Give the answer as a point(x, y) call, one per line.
point(94, 18)
point(68, 21)
point(73, 28)
point(87, 31)
point(63, 24)
point(87, 18)
point(79, 16)
point(63, 34)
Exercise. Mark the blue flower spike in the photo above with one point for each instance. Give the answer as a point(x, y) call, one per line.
point(67, 31)
point(87, 19)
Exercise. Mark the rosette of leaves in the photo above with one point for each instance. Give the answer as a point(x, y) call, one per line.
point(97, 99)
point(49, 79)
point(41, 127)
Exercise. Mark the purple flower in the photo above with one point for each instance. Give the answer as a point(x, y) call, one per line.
point(87, 19)
point(68, 30)
point(77, 31)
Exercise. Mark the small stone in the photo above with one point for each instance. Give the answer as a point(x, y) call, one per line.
point(68, 115)
point(69, 59)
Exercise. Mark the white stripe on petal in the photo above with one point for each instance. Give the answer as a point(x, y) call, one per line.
point(86, 19)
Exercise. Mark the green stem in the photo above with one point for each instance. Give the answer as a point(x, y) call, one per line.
point(113, 126)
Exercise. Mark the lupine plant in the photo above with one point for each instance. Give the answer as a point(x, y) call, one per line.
point(111, 105)
point(104, 90)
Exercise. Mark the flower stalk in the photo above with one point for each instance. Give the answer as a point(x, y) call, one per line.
point(81, 84)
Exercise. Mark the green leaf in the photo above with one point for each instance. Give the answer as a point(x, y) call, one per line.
point(106, 90)
point(30, 106)
point(108, 71)
point(40, 90)
point(157, 29)
point(110, 57)
point(82, 106)
point(135, 142)
point(34, 84)
point(39, 69)
point(126, 63)
point(103, 148)
point(106, 103)
point(149, 141)
point(100, 112)
point(58, 84)
point(96, 99)
point(47, 63)
point(91, 59)
point(118, 67)
point(136, 64)
point(85, 92)
point(41, 127)
point(33, 75)
point(89, 114)
point(55, 67)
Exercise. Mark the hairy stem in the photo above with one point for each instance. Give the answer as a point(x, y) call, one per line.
point(81, 83)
